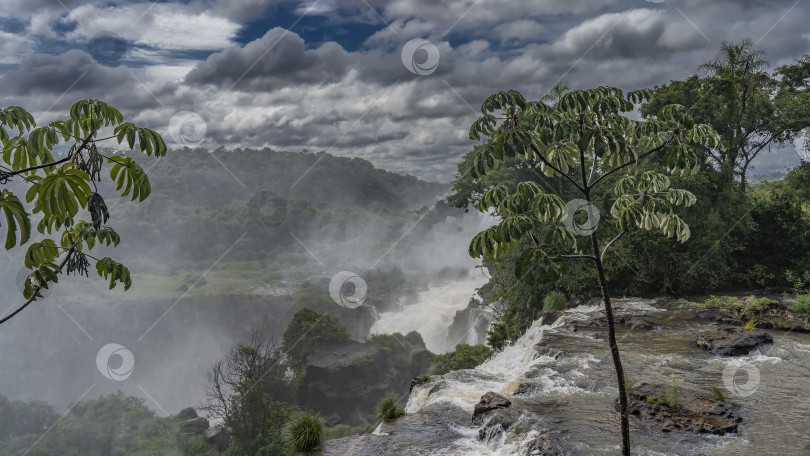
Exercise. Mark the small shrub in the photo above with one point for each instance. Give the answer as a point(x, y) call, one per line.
point(423, 378)
point(388, 409)
point(801, 304)
point(798, 280)
point(304, 432)
point(629, 383)
point(673, 398)
point(717, 394)
point(750, 325)
point(555, 300)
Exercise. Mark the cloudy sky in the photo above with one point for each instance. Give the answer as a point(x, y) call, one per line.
point(395, 82)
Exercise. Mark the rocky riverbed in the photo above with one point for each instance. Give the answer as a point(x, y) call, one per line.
point(559, 383)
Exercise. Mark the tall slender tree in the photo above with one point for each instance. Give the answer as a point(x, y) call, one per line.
point(584, 138)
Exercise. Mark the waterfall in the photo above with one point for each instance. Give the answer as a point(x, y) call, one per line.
point(432, 312)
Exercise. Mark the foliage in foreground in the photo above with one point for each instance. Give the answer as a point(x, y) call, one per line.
point(56, 189)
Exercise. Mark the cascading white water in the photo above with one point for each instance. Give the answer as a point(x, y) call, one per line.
point(432, 313)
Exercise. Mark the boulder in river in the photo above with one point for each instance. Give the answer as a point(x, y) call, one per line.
point(732, 341)
point(693, 411)
point(489, 402)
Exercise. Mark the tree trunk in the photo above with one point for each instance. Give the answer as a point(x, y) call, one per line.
point(614, 348)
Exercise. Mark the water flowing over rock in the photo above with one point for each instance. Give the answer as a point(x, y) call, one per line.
point(562, 389)
point(732, 341)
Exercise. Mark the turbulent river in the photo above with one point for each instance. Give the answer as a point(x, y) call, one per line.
point(573, 395)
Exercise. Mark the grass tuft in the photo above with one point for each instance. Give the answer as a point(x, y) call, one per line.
point(388, 409)
point(717, 394)
point(304, 432)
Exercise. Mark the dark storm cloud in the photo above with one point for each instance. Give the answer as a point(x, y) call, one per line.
point(285, 92)
point(278, 59)
point(73, 71)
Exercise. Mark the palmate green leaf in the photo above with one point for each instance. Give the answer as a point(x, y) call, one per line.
point(17, 118)
point(682, 159)
point(651, 181)
point(627, 211)
point(62, 192)
point(40, 253)
point(16, 218)
point(680, 197)
point(494, 241)
point(114, 271)
point(672, 225)
point(39, 279)
point(560, 237)
point(548, 208)
point(129, 176)
point(148, 140)
point(493, 197)
point(537, 266)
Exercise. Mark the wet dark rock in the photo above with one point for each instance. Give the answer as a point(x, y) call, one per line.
point(347, 379)
point(543, 446)
point(498, 421)
point(550, 316)
point(489, 402)
point(219, 437)
point(695, 412)
point(732, 341)
point(543, 350)
point(187, 413)
point(195, 425)
point(627, 321)
point(525, 388)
